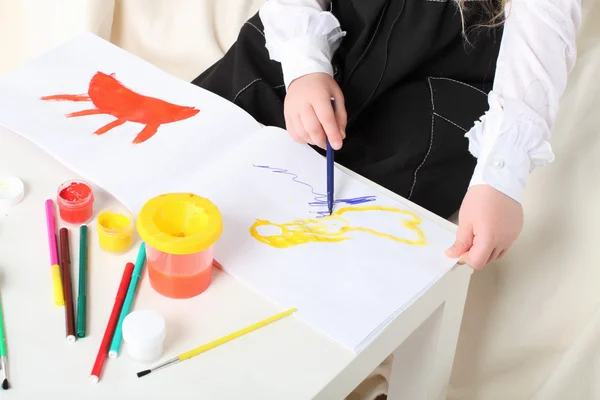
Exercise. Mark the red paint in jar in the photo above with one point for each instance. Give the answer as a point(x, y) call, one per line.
point(75, 201)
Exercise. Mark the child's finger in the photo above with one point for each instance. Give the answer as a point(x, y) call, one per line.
point(502, 254)
point(463, 242)
point(313, 127)
point(300, 131)
point(289, 127)
point(497, 254)
point(326, 115)
point(478, 256)
point(340, 113)
point(293, 133)
point(494, 255)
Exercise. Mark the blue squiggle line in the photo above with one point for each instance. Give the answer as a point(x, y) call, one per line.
point(320, 199)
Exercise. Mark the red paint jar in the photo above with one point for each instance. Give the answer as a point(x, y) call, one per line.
point(75, 201)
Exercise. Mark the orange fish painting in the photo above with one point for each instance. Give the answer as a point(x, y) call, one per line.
point(111, 97)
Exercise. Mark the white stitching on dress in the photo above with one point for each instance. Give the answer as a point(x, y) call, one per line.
point(447, 120)
point(242, 90)
point(435, 114)
point(455, 81)
point(255, 27)
point(412, 188)
point(257, 79)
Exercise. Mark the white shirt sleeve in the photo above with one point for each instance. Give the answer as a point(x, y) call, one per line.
point(301, 35)
point(537, 53)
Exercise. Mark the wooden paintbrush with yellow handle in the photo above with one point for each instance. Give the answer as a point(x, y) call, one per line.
point(211, 345)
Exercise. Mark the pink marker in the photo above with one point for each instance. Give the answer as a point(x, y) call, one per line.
point(59, 298)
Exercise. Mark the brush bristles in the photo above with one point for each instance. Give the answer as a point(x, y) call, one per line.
point(143, 373)
point(5, 384)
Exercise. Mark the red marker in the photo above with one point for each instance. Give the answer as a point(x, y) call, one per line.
point(112, 324)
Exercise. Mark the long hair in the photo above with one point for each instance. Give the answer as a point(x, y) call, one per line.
point(491, 13)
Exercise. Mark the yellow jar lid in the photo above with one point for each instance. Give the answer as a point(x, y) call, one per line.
point(179, 223)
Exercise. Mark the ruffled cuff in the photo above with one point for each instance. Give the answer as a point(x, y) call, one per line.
point(509, 141)
point(303, 45)
point(305, 55)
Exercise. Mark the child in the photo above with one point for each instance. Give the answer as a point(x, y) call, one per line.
point(409, 79)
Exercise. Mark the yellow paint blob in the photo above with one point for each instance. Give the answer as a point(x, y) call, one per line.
point(115, 231)
point(333, 228)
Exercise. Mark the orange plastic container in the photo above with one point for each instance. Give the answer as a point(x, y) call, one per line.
point(179, 230)
point(179, 276)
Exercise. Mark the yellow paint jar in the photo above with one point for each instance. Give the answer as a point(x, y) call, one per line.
point(115, 230)
point(179, 230)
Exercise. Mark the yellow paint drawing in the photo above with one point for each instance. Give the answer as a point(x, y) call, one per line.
point(333, 228)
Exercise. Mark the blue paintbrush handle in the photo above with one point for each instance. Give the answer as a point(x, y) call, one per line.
point(329, 153)
point(329, 177)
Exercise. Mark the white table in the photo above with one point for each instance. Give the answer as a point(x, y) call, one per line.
point(286, 360)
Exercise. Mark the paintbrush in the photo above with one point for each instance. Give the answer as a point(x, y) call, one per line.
point(329, 155)
point(208, 346)
point(3, 355)
point(329, 178)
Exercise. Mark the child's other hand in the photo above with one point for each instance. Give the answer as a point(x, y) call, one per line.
point(308, 112)
point(488, 223)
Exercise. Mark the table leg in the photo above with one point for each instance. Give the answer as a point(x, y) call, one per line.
point(422, 364)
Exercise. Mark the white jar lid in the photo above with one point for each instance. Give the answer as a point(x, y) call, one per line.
point(144, 328)
point(12, 191)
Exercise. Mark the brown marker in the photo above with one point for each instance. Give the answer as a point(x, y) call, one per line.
point(65, 263)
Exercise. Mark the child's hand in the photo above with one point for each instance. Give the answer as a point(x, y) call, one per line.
point(488, 223)
point(308, 112)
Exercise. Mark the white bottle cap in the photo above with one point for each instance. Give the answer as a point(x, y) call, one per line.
point(144, 332)
point(12, 191)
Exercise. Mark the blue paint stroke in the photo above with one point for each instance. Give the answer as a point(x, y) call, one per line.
point(320, 199)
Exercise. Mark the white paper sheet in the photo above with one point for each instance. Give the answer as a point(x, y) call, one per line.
point(347, 289)
point(131, 172)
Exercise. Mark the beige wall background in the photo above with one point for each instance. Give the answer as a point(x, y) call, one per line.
point(532, 322)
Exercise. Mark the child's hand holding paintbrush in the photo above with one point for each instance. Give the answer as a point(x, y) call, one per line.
point(309, 117)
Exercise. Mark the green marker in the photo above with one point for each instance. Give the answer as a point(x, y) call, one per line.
point(3, 355)
point(115, 345)
point(81, 296)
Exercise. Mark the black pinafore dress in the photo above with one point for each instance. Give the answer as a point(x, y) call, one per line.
point(413, 86)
